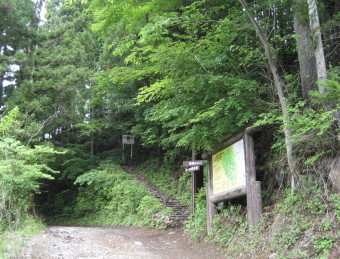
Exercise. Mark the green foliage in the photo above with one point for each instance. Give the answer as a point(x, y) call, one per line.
point(197, 221)
point(323, 243)
point(332, 86)
point(313, 135)
point(335, 199)
point(56, 75)
point(304, 218)
point(18, 24)
point(160, 60)
point(11, 242)
point(21, 170)
point(21, 126)
point(307, 118)
point(228, 223)
point(163, 179)
point(109, 196)
point(165, 57)
point(8, 121)
point(295, 226)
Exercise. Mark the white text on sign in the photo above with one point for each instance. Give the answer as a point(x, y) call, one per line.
point(192, 169)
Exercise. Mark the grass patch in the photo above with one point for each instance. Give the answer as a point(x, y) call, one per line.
point(12, 242)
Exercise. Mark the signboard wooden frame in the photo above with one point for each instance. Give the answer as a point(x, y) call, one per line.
point(252, 189)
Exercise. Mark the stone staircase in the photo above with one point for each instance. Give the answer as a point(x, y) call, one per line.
point(181, 212)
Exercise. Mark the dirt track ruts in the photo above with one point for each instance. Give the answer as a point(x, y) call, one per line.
point(115, 242)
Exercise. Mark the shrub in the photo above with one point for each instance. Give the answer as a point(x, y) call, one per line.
point(21, 169)
point(109, 196)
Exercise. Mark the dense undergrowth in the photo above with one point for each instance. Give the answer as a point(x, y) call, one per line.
point(303, 225)
point(300, 225)
point(176, 185)
point(108, 196)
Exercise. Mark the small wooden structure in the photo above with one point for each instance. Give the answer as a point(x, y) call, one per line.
point(127, 140)
point(244, 183)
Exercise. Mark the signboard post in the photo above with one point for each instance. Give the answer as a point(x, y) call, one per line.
point(232, 174)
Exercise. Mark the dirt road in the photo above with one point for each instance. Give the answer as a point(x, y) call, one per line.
point(115, 242)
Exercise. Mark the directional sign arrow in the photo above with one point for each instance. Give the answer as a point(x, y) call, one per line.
point(192, 169)
point(193, 163)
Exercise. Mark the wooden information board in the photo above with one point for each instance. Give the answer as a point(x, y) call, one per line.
point(232, 174)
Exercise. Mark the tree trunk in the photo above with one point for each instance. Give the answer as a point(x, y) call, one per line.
point(318, 47)
point(2, 78)
point(1, 90)
point(32, 202)
point(33, 58)
point(319, 54)
point(305, 51)
point(278, 84)
point(92, 144)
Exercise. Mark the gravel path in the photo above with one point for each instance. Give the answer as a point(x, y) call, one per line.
point(115, 242)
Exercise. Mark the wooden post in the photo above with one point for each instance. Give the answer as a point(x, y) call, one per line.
point(254, 200)
point(123, 155)
point(211, 207)
point(193, 180)
point(199, 175)
point(197, 183)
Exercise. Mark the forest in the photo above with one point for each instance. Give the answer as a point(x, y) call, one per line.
point(180, 76)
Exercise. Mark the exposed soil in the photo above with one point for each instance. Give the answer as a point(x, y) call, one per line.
point(116, 242)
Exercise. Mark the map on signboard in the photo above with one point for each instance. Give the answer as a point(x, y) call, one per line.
point(229, 168)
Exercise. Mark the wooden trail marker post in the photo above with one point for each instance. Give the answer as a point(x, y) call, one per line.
point(232, 174)
point(196, 169)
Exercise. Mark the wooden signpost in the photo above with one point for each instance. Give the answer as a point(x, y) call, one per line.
point(196, 168)
point(232, 174)
point(127, 140)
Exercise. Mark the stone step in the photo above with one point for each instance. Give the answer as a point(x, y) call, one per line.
point(181, 212)
point(178, 208)
point(175, 205)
